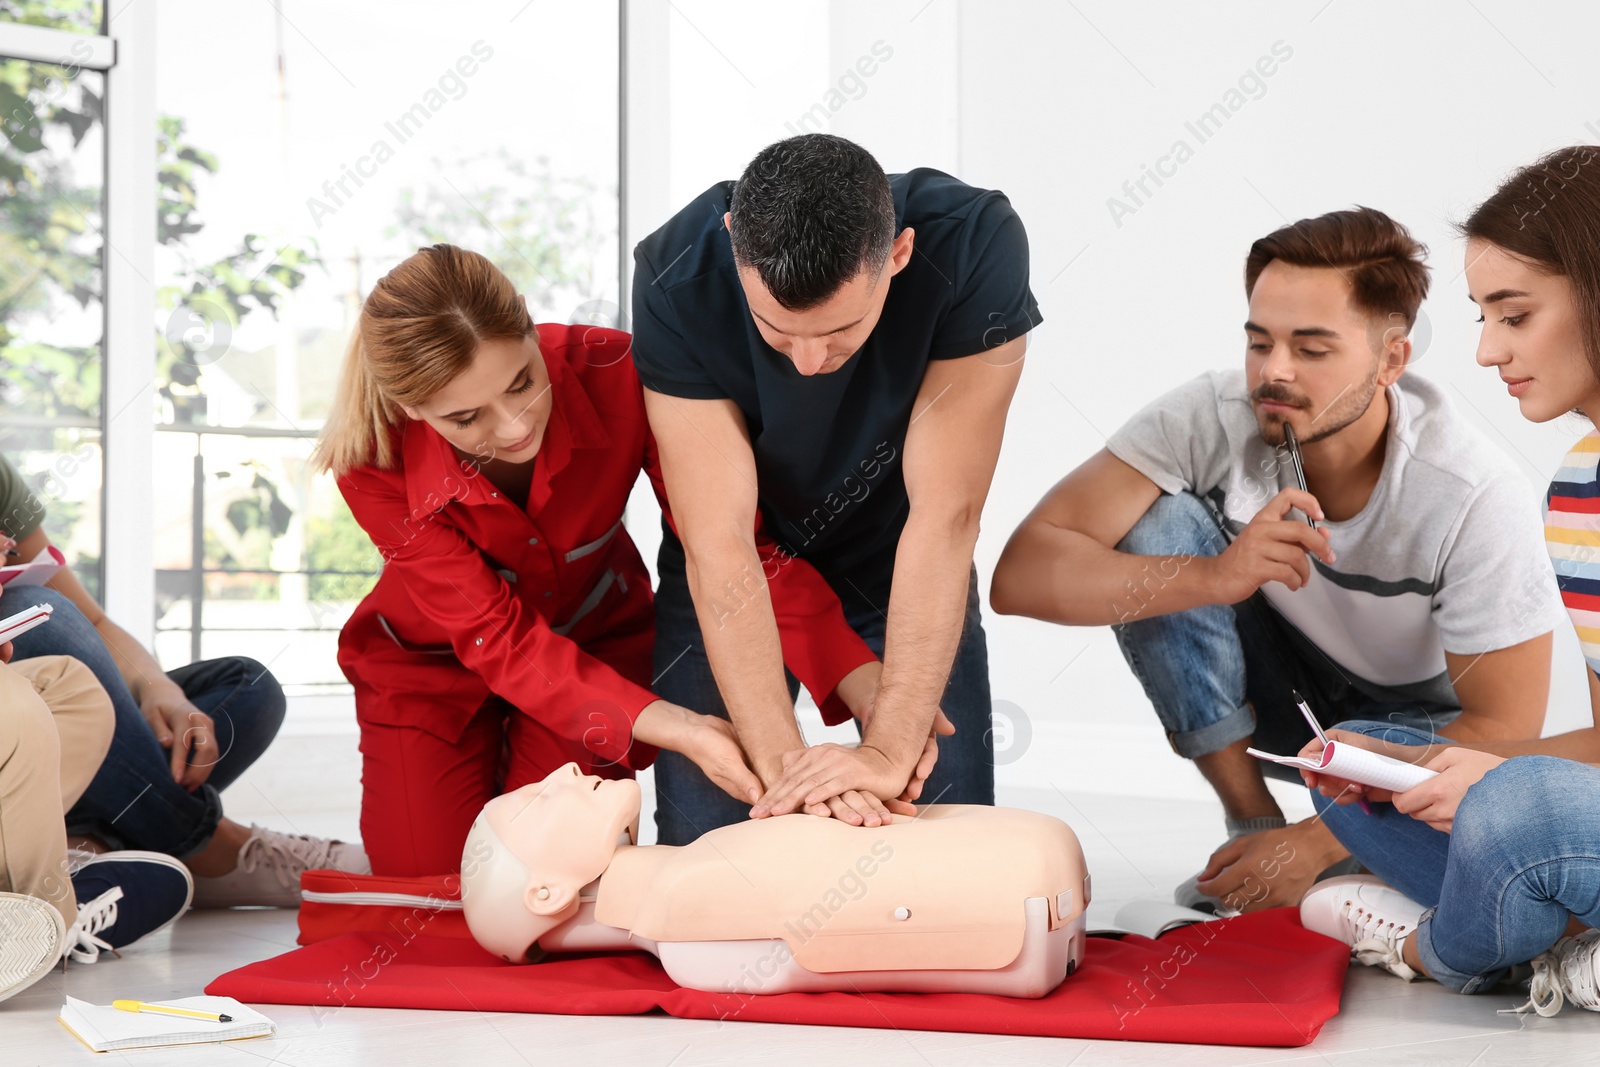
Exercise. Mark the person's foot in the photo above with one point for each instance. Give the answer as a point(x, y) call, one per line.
point(122, 897)
point(269, 868)
point(1373, 919)
point(31, 939)
point(1566, 973)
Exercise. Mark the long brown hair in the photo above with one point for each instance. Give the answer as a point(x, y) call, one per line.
point(419, 328)
point(1549, 214)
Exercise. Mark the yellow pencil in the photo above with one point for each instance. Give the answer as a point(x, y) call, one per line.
point(162, 1009)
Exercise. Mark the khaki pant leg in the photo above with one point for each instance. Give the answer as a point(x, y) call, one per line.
point(33, 839)
point(83, 715)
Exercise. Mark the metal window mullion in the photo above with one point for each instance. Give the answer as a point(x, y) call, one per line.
point(128, 426)
point(40, 44)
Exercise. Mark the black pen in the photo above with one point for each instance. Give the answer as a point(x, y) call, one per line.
point(1299, 471)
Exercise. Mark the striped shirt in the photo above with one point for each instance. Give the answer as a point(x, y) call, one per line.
point(1572, 534)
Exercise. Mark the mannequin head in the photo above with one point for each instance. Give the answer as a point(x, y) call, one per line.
point(531, 851)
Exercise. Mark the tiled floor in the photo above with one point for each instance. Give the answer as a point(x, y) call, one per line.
point(1135, 848)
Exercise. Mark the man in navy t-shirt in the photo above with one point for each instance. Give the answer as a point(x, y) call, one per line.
point(837, 348)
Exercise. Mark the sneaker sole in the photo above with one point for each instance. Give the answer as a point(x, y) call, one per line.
point(150, 857)
point(32, 935)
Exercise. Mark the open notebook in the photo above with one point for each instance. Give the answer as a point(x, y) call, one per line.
point(36, 571)
point(1356, 765)
point(104, 1028)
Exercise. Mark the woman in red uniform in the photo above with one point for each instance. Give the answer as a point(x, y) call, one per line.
point(511, 630)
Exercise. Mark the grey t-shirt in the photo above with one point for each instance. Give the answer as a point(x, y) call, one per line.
point(1448, 553)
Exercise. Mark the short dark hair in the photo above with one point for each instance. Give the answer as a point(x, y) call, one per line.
point(1383, 262)
point(809, 214)
point(1549, 213)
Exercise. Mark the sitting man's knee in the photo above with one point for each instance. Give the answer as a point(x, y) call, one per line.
point(1178, 525)
point(1393, 733)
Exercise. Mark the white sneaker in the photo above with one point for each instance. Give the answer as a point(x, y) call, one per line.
point(1367, 915)
point(1566, 972)
point(32, 934)
point(269, 869)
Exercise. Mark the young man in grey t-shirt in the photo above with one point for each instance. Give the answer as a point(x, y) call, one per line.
point(1421, 596)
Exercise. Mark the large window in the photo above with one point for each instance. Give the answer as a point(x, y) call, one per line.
point(52, 287)
point(347, 137)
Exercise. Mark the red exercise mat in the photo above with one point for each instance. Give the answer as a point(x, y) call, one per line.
point(1260, 979)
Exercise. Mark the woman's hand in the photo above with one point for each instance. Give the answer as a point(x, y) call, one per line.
point(707, 740)
point(1435, 801)
point(182, 728)
point(1341, 791)
point(714, 747)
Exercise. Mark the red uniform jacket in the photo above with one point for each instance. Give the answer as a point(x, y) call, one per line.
point(549, 608)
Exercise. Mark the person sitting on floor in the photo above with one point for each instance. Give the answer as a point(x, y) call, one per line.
point(56, 904)
point(1402, 579)
point(182, 736)
point(1493, 862)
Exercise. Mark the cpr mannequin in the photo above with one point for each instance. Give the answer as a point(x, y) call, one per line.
point(961, 898)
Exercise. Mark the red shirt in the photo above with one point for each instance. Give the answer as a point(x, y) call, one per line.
point(548, 607)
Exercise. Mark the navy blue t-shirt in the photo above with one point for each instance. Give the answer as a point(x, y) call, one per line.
point(828, 447)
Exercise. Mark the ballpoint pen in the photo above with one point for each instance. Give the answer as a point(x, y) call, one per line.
point(1316, 727)
point(162, 1009)
point(1293, 444)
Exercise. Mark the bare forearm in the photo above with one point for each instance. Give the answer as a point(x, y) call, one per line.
point(927, 609)
point(741, 637)
point(137, 665)
point(1059, 575)
point(1580, 745)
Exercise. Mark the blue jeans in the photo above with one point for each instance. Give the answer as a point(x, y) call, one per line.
point(688, 803)
point(1217, 674)
point(1522, 858)
point(132, 802)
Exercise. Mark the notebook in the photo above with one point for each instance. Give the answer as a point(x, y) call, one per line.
point(1355, 764)
point(104, 1028)
point(36, 571)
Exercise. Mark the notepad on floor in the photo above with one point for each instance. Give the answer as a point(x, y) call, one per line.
point(1355, 764)
point(104, 1028)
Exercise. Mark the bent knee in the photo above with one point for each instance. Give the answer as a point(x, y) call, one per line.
point(1176, 524)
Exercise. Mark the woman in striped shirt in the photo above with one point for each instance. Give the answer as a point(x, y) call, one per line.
point(1496, 860)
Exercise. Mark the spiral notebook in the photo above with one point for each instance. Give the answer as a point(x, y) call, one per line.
point(105, 1029)
point(1355, 764)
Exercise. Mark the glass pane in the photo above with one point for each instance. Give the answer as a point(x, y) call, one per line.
point(74, 16)
point(52, 158)
point(342, 145)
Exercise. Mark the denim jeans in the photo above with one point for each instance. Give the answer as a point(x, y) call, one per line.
point(132, 802)
point(1220, 673)
point(1522, 858)
point(688, 803)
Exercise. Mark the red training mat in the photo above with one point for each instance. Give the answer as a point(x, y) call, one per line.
point(1260, 979)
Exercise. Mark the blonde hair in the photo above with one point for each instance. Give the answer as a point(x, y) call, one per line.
point(419, 328)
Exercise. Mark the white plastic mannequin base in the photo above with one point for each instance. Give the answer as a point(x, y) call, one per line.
point(768, 967)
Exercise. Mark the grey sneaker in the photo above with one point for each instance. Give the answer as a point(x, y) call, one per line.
point(32, 938)
point(269, 869)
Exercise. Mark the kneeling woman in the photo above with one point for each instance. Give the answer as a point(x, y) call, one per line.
point(1490, 863)
point(511, 630)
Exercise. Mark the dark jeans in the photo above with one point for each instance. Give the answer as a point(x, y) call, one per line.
point(132, 802)
point(688, 803)
point(1219, 673)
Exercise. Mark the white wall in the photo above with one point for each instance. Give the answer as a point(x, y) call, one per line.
point(1416, 109)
